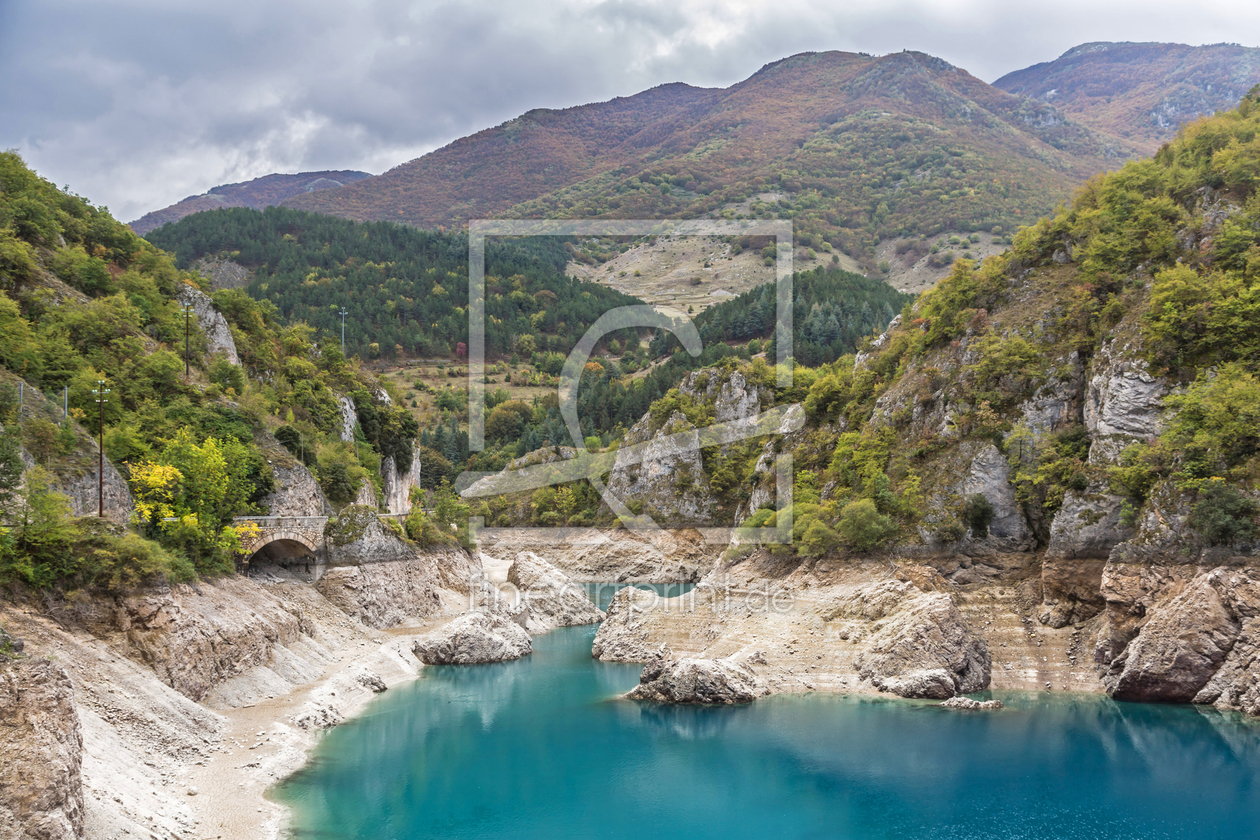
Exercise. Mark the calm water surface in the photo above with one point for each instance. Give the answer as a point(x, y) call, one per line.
point(539, 748)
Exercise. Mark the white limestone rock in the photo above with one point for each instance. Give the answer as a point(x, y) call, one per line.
point(698, 681)
point(473, 638)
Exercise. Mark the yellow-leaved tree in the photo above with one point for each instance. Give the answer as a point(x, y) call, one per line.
point(187, 496)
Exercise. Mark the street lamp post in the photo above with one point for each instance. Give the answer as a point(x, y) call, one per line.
point(187, 307)
point(343, 313)
point(100, 391)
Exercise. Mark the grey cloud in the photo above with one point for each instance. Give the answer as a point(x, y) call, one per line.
point(137, 104)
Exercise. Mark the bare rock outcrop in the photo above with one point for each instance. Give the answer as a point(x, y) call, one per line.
point(358, 536)
point(1185, 642)
point(1122, 400)
point(389, 593)
point(989, 476)
point(553, 599)
point(701, 681)
point(921, 645)
point(83, 491)
point(296, 492)
point(622, 637)
point(349, 417)
point(212, 323)
point(1071, 590)
point(195, 639)
point(474, 638)
point(669, 480)
point(967, 704)
point(1087, 525)
point(41, 753)
point(222, 274)
point(397, 484)
point(926, 684)
point(846, 628)
point(366, 497)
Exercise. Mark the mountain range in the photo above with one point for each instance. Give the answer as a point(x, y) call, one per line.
point(880, 158)
point(1140, 93)
point(266, 191)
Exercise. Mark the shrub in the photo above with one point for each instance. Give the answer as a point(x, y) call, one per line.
point(1223, 515)
point(819, 539)
point(977, 512)
point(950, 532)
point(862, 526)
point(335, 480)
point(116, 563)
point(420, 528)
point(227, 375)
point(40, 435)
point(290, 438)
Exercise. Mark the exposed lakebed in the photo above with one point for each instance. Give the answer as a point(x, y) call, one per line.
point(542, 748)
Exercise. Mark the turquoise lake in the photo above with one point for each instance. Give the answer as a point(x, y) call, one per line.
point(540, 748)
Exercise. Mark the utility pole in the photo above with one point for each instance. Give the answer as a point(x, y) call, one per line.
point(100, 391)
point(187, 307)
point(343, 313)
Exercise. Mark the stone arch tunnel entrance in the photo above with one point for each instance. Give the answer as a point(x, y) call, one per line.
point(285, 547)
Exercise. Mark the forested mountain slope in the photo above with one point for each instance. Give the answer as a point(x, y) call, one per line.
point(853, 148)
point(405, 292)
point(86, 304)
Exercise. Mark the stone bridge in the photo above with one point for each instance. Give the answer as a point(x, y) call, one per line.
point(295, 542)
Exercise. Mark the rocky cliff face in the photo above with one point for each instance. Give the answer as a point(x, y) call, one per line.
point(1180, 616)
point(83, 491)
point(41, 794)
point(134, 663)
point(349, 417)
point(669, 481)
point(223, 274)
point(382, 580)
point(415, 585)
point(799, 628)
point(1187, 641)
point(212, 323)
point(357, 536)
point(296, 493)
point(397, 485)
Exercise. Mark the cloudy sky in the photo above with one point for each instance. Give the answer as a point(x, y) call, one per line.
point(136, 104)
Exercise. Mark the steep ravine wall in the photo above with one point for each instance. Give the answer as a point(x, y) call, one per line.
point(109, 708)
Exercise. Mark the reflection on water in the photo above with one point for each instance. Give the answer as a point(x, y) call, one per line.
point(539, 748)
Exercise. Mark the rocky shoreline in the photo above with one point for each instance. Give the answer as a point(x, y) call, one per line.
point(171, 713)
point(1183, 633)
point(191, 702)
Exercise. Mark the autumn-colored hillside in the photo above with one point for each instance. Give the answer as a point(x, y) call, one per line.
point(266, 191)
point(860, 149)
point(1140, 93)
